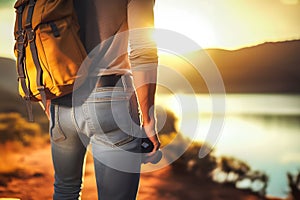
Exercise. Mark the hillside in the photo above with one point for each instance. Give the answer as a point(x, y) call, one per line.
point(269, 67)
point(10, 101)
point(8, 75)
point(265, 68)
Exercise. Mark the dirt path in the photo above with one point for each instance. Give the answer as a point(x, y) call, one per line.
point(34, 181)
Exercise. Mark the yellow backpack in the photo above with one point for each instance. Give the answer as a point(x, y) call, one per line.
point(48, 49)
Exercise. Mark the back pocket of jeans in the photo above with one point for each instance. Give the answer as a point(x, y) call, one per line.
point(114, 115)
point(114, 120)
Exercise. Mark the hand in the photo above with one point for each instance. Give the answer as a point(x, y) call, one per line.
point(151, 133)
point(155, 155)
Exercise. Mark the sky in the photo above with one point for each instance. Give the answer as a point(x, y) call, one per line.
point(231, 24)
point(227, 24)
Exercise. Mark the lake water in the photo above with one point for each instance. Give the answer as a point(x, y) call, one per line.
point(261, 129)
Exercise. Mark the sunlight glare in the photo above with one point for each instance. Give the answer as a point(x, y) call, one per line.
point(188, 24)
point(6, 34)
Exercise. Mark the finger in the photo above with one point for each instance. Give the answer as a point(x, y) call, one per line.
point(155, 141)
point(154, 150)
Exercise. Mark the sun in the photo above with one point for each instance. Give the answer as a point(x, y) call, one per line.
point(194, 26)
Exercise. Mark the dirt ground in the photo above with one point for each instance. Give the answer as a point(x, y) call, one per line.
point(33, 180)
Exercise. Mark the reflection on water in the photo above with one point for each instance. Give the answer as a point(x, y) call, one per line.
point(262, 130)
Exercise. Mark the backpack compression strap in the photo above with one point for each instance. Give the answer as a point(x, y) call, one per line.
point(20, 62)
point(31, 40)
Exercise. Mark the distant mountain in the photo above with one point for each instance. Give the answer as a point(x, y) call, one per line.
point(8, 75)
point(265, 68)
point(10, 101)
point(269, 67)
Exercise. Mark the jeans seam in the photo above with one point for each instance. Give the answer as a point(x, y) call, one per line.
point(89, 122)
point(57, 124)
point(74, 120)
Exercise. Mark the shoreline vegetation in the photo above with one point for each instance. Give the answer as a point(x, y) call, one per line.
point(26, 169)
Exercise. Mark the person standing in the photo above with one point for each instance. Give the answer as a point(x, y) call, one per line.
point(108, 109)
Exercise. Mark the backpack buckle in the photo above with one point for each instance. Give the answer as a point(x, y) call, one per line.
point(30, 35)
point(20, 39)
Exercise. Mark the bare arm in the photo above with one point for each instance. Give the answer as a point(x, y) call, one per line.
point(143, 57)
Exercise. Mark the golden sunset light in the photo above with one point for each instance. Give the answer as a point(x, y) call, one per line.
point(6, 33)
point(231, 24)
point(221, 94)
point(227, 24)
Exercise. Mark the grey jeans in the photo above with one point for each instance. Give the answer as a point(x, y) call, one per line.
point(108, 119)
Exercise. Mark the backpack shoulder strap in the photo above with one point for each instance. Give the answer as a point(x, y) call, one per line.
point(31, 40)
point(20, 62)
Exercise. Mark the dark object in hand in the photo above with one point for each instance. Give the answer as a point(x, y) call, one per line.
point(147, 145)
